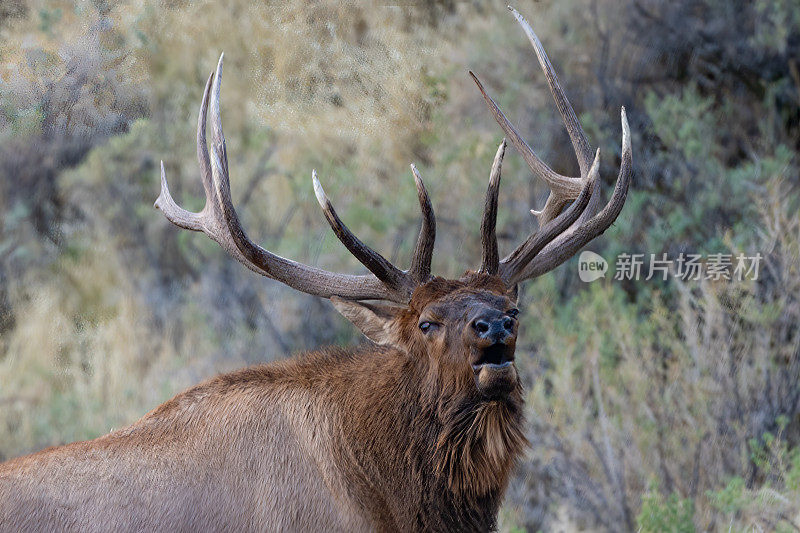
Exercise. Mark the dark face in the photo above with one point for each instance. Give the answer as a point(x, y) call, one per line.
point(473, 331)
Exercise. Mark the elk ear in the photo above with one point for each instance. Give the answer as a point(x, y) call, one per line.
point(374, 320)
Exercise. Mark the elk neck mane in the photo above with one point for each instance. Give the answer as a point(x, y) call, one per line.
point(395, 424)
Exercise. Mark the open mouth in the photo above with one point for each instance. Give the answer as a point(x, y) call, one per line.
point(498, 355)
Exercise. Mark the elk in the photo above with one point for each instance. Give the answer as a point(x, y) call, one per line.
point(417, 430)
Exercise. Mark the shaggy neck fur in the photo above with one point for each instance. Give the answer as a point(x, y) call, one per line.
point(421, 456)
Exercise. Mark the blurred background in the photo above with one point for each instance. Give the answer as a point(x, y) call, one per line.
point(651, 405)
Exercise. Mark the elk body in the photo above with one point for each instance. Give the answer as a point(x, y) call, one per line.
point(417, 430)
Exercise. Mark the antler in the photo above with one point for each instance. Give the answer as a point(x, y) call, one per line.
point(560, 235)
point(490, 259)
point(218, 220)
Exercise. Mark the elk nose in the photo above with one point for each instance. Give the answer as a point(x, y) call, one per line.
point(497, 328)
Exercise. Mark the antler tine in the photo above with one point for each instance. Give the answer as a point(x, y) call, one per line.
point(219, 220)
point(202, 146)
point(517, 260)
point(490, 258)
point(574, 129)
point(390, 275)
point(561, 186)
point(174, 213)
point(566, 245)
point(420, 270)
point(201, 221)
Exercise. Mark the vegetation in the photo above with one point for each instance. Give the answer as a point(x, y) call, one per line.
point(658, 405)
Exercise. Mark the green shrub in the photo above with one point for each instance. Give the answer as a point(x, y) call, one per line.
point(672, 514)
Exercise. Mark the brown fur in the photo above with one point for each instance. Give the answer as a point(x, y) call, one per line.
point(395, 437)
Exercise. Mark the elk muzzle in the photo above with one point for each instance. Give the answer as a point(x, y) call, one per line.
point(492, 336)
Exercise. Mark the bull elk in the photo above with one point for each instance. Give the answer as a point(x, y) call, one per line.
point(417, 430)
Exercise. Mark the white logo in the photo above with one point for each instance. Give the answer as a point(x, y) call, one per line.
point(591, 266)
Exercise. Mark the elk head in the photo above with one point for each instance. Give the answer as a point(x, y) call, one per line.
point(465, 328)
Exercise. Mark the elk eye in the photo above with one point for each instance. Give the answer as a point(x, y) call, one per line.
point(513, 313)
point(426, 326)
